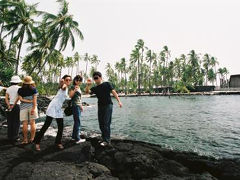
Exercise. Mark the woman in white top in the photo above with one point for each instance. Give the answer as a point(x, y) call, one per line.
point(54, 111)
point(13, 112)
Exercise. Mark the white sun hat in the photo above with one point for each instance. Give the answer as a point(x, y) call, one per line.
point(15, 79)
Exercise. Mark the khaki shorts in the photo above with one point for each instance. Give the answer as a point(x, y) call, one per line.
point(25, 114)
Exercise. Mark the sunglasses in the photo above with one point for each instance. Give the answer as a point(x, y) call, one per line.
point(95, 78)
point(68, 80)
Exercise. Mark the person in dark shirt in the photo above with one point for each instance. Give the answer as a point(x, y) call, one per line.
point(103, 92)
point(28, 107)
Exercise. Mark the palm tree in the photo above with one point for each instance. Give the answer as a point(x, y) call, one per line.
point(214, 63)
point(61, 28)
point(3, 14)
point(117, 68)
point(140, 45)
point(41, 45)
point(135, 57)
point(226, 72)
point(7, 61)
point(194, 73)
point(92, 70)
point(167, 55)
point(163, 66)
point(61, 65)
point(112, 77)
point(150, 56)
point(95, 61)
point(86, 58)
point(211, 76)
point(69, 63)
point(23, 23)
point(206, 65)
point(124, 70)
point(223, 76)
point(77, 58)
point(109, 70)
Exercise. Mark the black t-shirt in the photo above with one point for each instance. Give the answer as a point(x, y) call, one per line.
point(102, 92)
point(24, 92)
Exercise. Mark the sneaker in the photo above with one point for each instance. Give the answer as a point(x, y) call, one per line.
point(80, 141)
point(100, 141)
point(104, 144)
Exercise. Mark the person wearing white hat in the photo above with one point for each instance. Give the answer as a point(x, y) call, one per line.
point(13, 120)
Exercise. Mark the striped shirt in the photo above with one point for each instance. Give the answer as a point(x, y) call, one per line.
point(28, 95)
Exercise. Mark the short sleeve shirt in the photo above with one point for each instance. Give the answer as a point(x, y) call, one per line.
point(102, 92)
point(76, 99)
point(12, 91)
point(27, 94)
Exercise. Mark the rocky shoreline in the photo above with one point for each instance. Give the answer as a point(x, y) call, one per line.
point(125, 159)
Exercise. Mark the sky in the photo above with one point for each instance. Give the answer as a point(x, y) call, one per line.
point(111, 28)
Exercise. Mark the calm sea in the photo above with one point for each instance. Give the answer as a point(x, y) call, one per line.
point(207, 125)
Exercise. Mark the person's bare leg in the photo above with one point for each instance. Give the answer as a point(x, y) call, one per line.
point(25, 132)
point(33, 129)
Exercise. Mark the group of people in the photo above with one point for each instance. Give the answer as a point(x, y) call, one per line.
point(22, 107)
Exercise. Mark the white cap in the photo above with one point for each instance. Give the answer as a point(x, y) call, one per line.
point(15, 79)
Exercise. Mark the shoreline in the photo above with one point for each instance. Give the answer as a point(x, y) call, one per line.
point(184, 94)
point(125, 159)
point(210, 93)
point(161, 94)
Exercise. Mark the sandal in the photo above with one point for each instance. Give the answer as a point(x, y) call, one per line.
point(24, 142)
point(60, 146)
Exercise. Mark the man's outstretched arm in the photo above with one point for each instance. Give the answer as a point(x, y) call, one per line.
point(118, 99)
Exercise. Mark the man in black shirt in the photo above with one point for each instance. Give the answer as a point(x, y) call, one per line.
point(105, 104)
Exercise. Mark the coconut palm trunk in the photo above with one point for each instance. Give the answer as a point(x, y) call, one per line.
point(19, 51)
point(139, 91)
point(10, 43)
point(46, 60)
point(149, 78)
point(1, 30)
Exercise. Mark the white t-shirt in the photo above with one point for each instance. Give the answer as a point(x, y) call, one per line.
point(54, 109)
point(12, 91)
point(1, 88)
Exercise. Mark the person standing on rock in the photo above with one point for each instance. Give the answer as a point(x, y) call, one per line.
point(76, 94)
point(27, 94)
point(54, 111)
point(13, 109)
point(105, 104)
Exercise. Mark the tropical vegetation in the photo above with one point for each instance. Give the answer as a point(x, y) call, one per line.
point(145, 70)
point(150, 71)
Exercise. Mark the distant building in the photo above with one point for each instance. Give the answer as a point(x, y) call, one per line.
point(234, 81)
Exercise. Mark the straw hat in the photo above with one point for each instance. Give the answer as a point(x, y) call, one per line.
point(15, 79)
point(28, 80)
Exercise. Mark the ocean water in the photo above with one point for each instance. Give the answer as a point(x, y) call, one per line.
point(207, 125)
